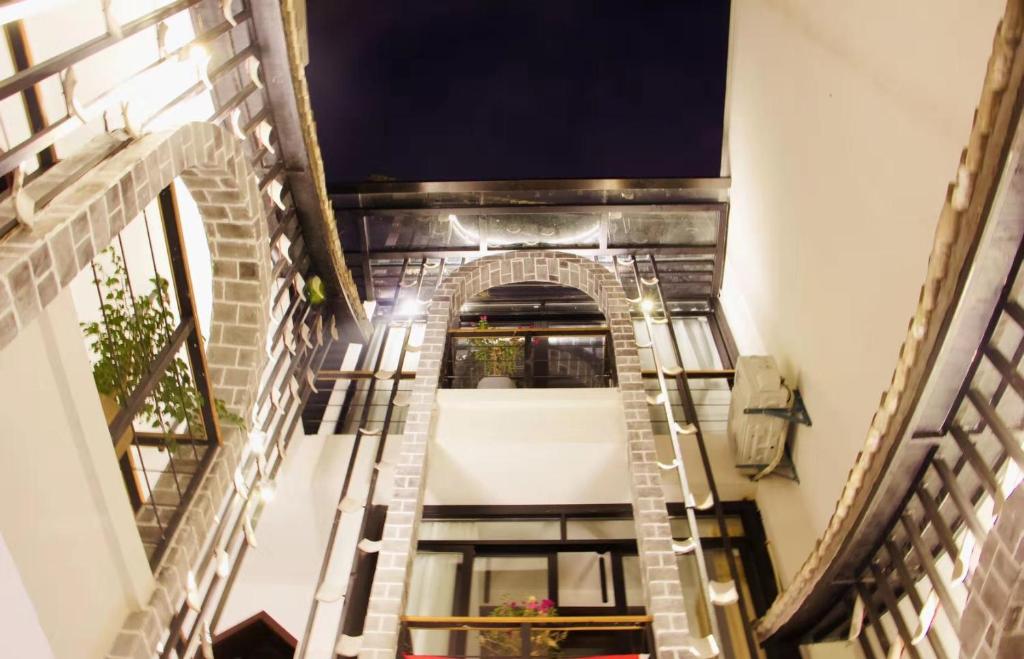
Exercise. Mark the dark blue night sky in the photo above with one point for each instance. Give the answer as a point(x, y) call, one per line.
point(494, 89)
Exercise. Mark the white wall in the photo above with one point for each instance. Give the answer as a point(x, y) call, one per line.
point(19, 623)
point(64, 512)
point(528, 446)
point(280, 575)
point(846, 121)
point(553, 446)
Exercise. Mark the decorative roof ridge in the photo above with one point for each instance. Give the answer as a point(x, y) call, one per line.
point(316, 165)
point(960, 223)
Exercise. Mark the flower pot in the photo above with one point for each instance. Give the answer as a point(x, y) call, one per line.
point(496, 382)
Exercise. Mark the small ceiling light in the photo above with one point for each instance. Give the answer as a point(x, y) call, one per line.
point(647, 305)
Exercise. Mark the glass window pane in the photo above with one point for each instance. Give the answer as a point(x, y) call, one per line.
point(529, 529)
point(600, 529)
point(432, 593)
point(499, 579)
point(690, 227)
point(580, 579)
point(708, 527)
point(634, 580)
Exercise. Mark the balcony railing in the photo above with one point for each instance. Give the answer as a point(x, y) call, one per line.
point(528, 358)
point(524, 637)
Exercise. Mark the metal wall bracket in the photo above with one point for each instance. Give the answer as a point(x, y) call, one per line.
point(795, 413)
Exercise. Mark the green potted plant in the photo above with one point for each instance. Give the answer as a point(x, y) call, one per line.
point(132, 329)
point(495, 358)
point(508, 643)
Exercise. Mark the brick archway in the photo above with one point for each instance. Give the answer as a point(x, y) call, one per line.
point(82, 220)
point(662, 589)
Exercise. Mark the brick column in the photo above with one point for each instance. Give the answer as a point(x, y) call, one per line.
point(662, 590)
point(992, 624)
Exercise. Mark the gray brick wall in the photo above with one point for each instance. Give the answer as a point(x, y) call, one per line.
point(36, 264)
point(992, 624)
point(662, 590)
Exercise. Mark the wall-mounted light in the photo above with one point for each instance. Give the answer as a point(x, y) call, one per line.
point(263, 136)
point(206, 641)
point(199, 56)
point(268, 490)
point(192, 598)
point(856, 619)
point(368, 546)
point(257, 441)
point(225, 10)
point(130, 116)
point(252, 65)
point(348, 646)
point(723, 593)
point(111, 20)
point(223, 564)
point(350, 505)
point(69, 85)
point(239, 481)
point(247, 529)
point(236, 128)
point(926, 617)
point(685, 547)
point(24, 204)
point(274, 189)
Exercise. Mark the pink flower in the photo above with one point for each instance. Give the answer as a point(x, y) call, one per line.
point(483, 319)
point(546, 604)
point(532, 605)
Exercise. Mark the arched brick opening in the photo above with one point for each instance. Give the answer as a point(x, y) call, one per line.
point(662, 589)
point(992, 624)
point(82, 220)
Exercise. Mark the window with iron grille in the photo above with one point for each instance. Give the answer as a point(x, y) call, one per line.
point(139, 315)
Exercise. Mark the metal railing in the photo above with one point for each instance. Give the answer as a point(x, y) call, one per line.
point(497, 636)
point(44, 134)
point(529, 357)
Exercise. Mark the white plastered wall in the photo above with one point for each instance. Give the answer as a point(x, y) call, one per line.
point(547, 447)
point(19, 623)
point(845, 123)
point(65, 516)
point(528, 447)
